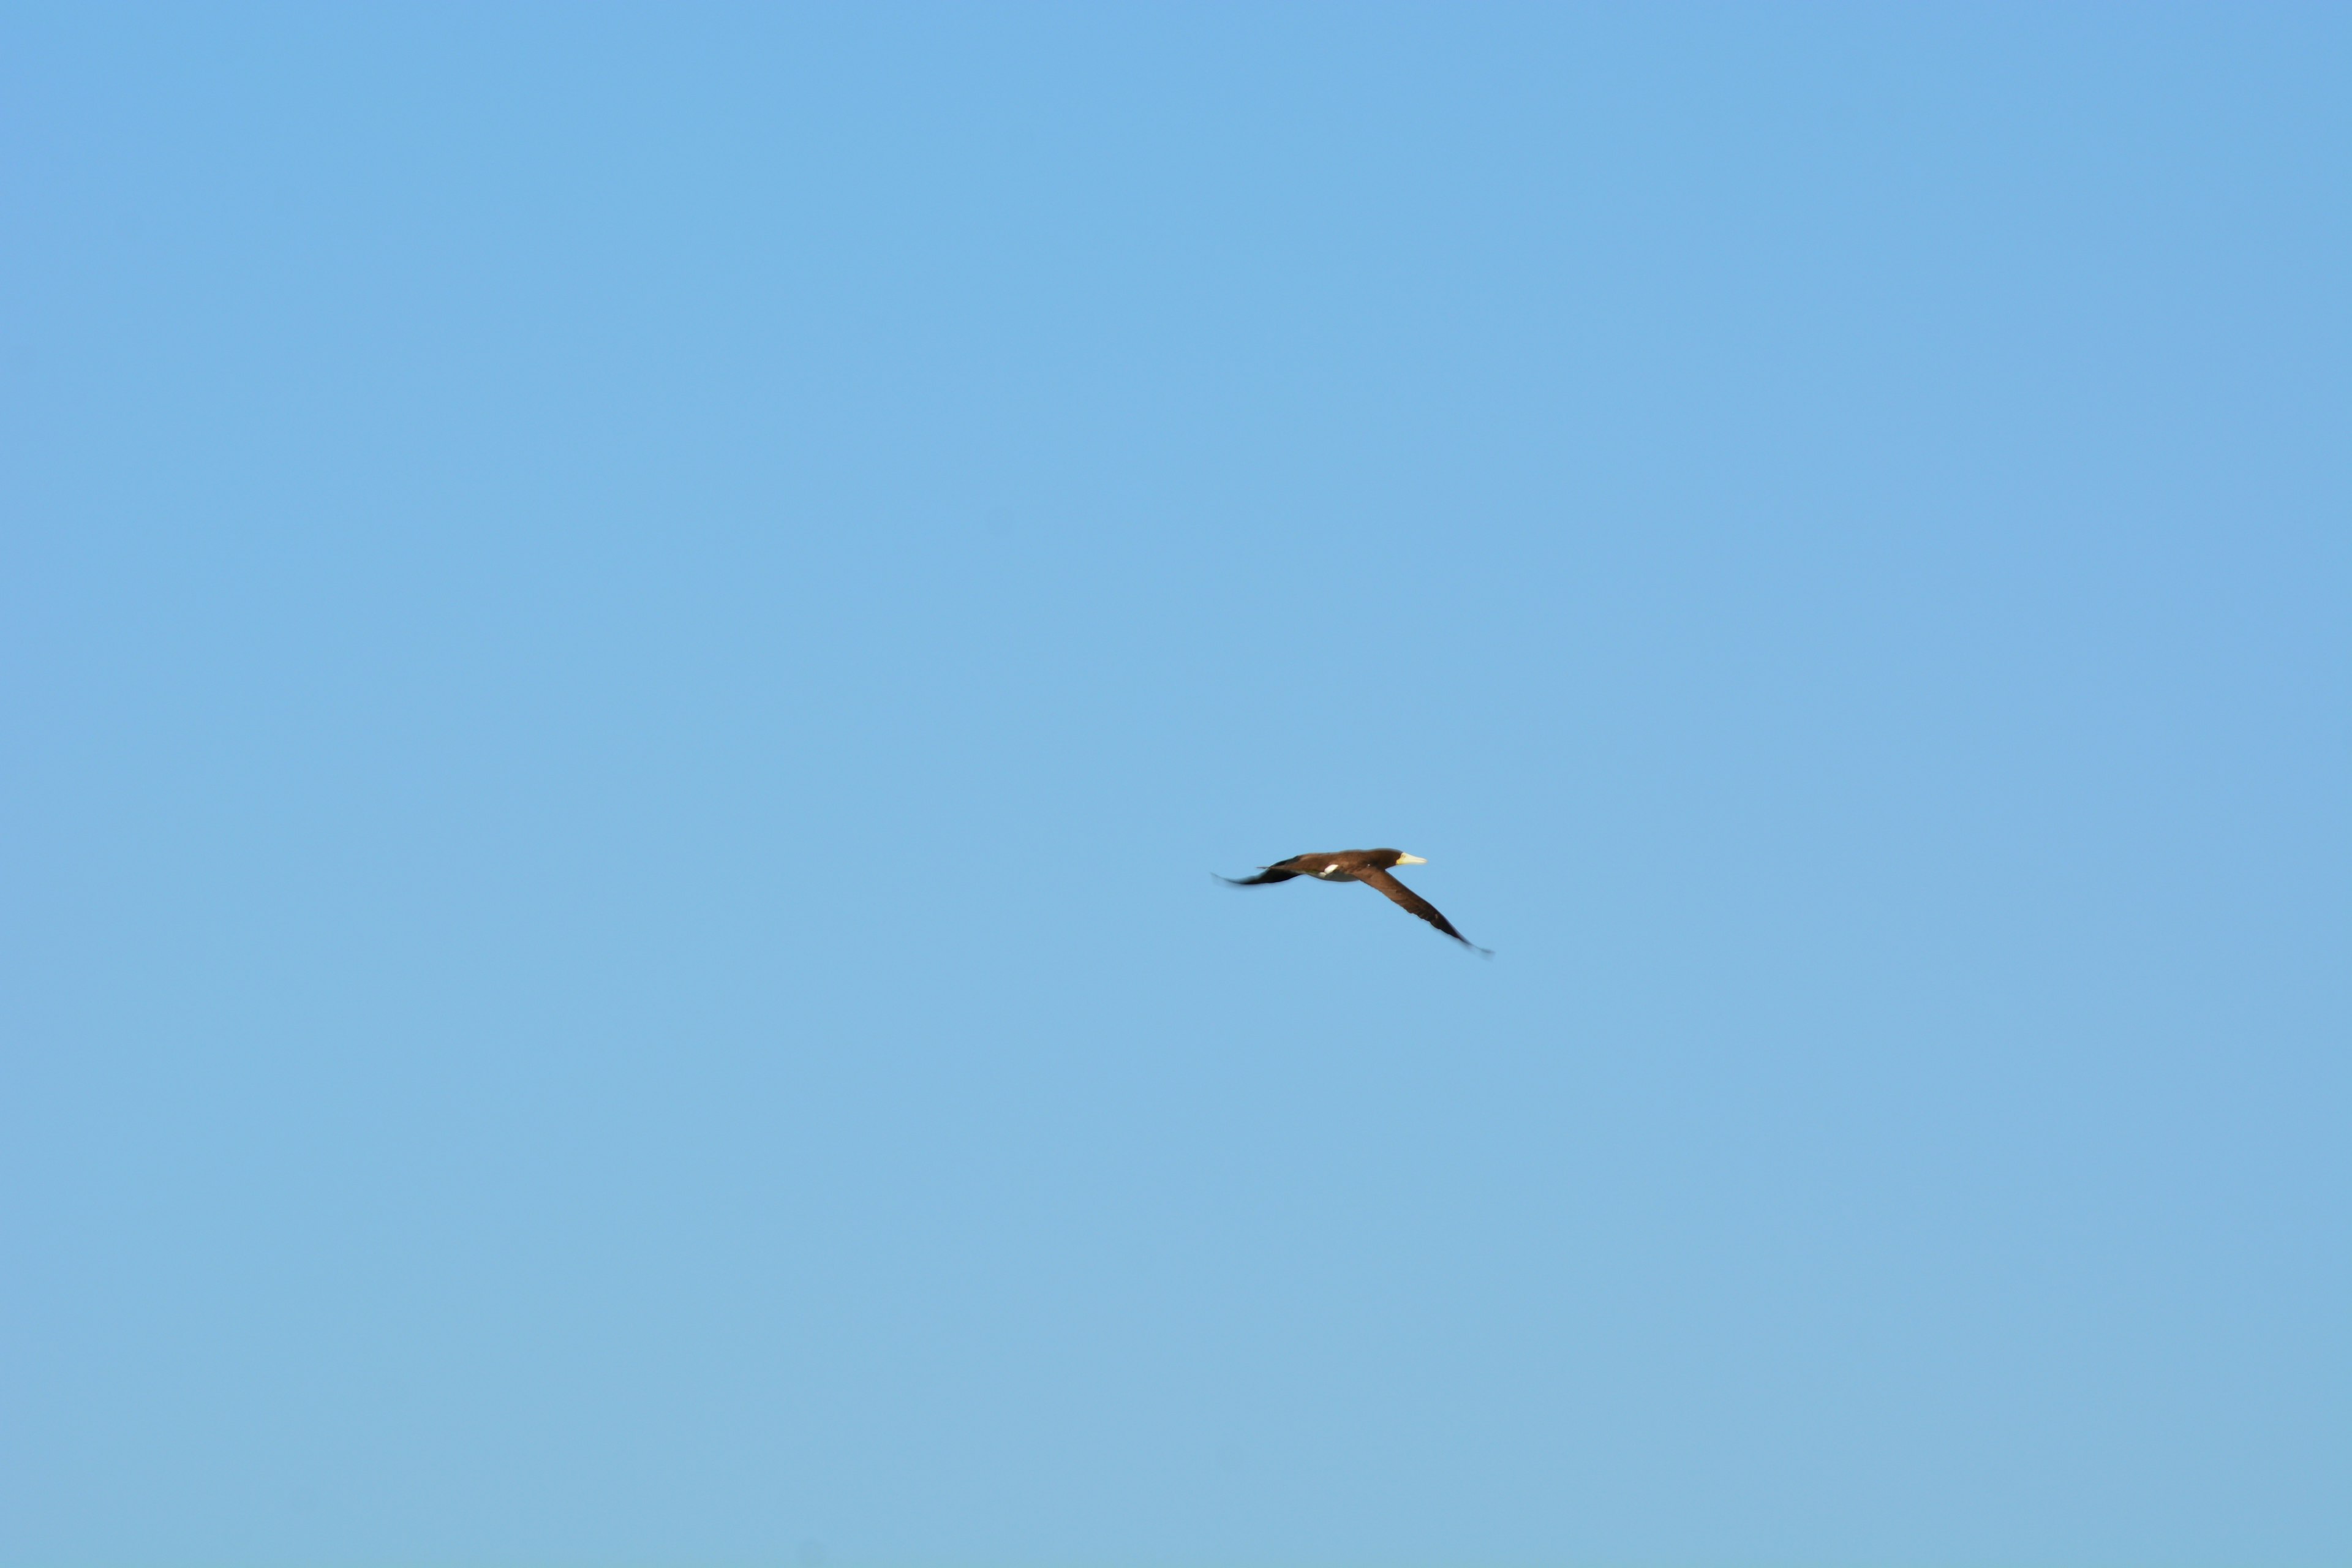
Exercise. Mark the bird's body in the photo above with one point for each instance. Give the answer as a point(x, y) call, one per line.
point(1369, 866)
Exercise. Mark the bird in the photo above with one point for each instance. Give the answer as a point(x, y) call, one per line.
point(1369, 866)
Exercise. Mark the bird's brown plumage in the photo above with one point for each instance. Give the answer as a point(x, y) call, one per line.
point(1404, 898)
point(1369, 866)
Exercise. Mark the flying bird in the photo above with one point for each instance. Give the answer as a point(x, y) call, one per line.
point(1369, 866)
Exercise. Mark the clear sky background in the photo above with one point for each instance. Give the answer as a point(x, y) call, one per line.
point(630, 635)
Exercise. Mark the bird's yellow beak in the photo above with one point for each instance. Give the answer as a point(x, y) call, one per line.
point(1411, 861)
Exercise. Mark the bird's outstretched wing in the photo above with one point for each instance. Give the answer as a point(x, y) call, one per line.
point(1405, 898)
point(1268, 874)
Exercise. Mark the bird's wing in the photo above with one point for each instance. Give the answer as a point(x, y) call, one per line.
point(1398, 893)
point(1268, 874)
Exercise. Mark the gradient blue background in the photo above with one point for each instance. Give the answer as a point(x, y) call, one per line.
point(631, 635)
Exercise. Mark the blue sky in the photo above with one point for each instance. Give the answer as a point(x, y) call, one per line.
point(631, 635)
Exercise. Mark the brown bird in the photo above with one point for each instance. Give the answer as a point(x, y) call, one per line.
point(1369, 866)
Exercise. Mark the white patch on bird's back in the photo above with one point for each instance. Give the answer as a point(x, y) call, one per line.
point(1331, 867)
